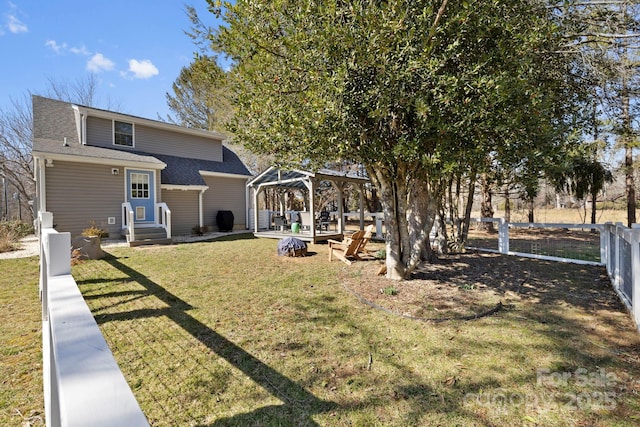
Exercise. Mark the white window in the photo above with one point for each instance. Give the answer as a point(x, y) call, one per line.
point(123, 133)
point(139, 186)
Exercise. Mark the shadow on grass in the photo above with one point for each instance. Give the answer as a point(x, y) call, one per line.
point(298, 403)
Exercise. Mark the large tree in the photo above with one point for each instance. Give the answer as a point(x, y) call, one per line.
point(200, 95)
point(410, 89)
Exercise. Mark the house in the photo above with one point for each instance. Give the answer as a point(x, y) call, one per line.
point(132, 176)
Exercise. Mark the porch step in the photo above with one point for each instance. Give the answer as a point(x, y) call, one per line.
point(149, 236)
point(137, 242)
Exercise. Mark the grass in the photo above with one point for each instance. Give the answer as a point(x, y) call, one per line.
point(227, 333)
point(21, 399)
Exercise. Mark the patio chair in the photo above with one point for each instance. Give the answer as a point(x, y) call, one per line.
point(280, 223)
point(347, 249)
point(304, 218)
point(323, 221)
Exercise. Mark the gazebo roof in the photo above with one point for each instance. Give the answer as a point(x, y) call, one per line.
point(296, 178)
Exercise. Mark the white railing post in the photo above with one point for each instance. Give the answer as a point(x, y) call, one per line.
point(165, 217)
point(128, 220)
point(168, 225)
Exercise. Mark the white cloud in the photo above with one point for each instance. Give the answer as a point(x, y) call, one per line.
point(99, 62)
point(63, 47)
point(12, 22)
point(143, 69)
point(55, 46)
point(15, 25)
point(79, 50)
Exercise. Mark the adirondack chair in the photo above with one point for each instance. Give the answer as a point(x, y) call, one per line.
point(347, 249)
point(362, 251)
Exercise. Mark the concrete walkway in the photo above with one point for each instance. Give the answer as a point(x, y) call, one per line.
point(28, 246)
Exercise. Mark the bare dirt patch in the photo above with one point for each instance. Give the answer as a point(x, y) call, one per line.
point(472, 284)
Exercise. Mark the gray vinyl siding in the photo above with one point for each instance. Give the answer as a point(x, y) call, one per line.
point(155, 141)
point(226, 194)
point(184, 210)
point(78, 194)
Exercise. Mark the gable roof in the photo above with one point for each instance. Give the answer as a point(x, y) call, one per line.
point(185, 171)
point(296, 178)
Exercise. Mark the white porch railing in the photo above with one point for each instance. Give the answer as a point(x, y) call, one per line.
point(83, 385)
point(164, 214)
point(128, 219)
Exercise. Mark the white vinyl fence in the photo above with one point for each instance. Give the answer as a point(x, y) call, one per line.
point(622, 249)
point(619, 251)
point(83, 385)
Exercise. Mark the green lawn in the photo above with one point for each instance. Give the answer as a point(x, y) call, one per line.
point(21, 399)
point(227, 333)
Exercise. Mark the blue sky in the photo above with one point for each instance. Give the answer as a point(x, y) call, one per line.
point(135, 48)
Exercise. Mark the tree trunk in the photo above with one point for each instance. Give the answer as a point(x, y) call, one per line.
point(486, 210)
point(628, 156)
point(531, 202)
point(630, 185)
point(409, 204)
point(594, 197)
point(507, 205)
point(462, 239)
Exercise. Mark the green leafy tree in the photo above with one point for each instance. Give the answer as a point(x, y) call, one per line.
point(413, 90)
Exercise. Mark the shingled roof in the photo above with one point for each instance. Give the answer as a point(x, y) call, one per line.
point(184, 171)
point(90, 154)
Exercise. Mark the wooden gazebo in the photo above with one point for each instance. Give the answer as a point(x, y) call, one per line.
point(298, 179)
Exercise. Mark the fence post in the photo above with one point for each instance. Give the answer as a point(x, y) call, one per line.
point(617, 262)
point(378, 227)
point(503, 236)
point(635, 275)
point(604, 243)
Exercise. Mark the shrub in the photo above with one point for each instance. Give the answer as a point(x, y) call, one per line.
point(19, 229)
point(95, 231)
point(7, 239)
point(11, 232)
point(389, 290)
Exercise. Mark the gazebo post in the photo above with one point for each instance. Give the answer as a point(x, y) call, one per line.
point(256, 193)
point(361, 190)
point(310, 184)
point(339, 187)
